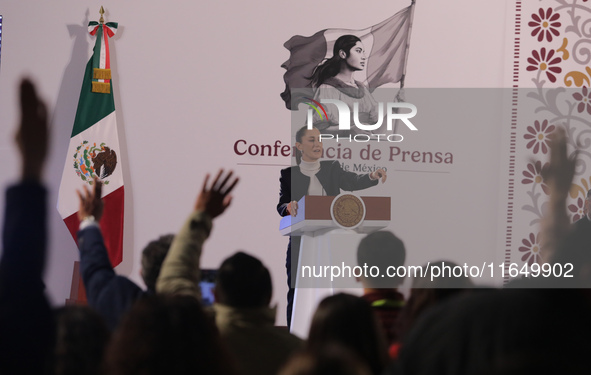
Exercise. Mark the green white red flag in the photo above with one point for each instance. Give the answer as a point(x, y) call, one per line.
point(94, 147)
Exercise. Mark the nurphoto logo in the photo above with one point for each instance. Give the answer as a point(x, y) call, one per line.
point(365, 131)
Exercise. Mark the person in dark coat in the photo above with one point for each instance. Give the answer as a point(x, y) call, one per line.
point(313, 177)
point(112, 295)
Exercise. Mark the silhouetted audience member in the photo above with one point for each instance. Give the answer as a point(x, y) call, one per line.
point(381, 250)
point(331, 359)
point(349, 321)
point(562, 242)
point(180, 272)
point(153, 256)
point(111, 294)
point(26, 322)
point(513, 331)
point(426, 293)
point(246, 322)
point(510, 331)
point(575, 249)
point(165, 335)
point(82, 337)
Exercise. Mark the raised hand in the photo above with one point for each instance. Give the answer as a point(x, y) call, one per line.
point(558, 176)
point(561, 169)
point(216, 198)
point(32, 134)
point(91, 203)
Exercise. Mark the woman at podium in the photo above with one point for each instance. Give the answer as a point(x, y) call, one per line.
point(313, 177)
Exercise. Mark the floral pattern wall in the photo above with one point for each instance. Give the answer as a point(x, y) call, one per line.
point(551, 70)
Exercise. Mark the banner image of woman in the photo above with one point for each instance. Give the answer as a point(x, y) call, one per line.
point(334, 79)
point(314, 60)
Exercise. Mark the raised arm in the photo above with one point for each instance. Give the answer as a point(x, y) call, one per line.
point(24, 235)
point(558, 177)
point(285, 206)
point(95, 267)
point(351, 181)
point(180, 271)
point(26, 324)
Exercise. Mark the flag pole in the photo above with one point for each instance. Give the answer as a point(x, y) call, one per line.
point(407, 49)
point(399, 95)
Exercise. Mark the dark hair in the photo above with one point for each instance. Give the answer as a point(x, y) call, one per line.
point(166, 335)
point(243, 281)
point(505, 331)
point(332, 66)
point(381, 249)
point(332, 359)
point(349, 321)
point(427, 292)
point(299, 136)
point(152, 258)
point(81, 339)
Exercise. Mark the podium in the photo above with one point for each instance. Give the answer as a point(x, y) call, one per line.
point(330, 230)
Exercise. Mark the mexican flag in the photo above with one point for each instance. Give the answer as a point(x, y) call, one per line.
point(94, 147)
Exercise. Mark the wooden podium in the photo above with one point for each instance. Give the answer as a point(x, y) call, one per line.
point(325, 243)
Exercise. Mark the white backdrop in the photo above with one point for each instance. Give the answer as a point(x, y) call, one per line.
point(191, 79)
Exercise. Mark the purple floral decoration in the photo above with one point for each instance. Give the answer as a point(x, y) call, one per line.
point(537, 136)
point(545, 24)
point(533, 174)
point(531, 249)
point(544, 62)
point(584, 98)
point(577, 209)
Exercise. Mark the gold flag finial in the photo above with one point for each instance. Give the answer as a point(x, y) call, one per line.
point(102, 11)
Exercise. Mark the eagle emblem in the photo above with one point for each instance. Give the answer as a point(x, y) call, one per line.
point(348, 210)
point(93, 160)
